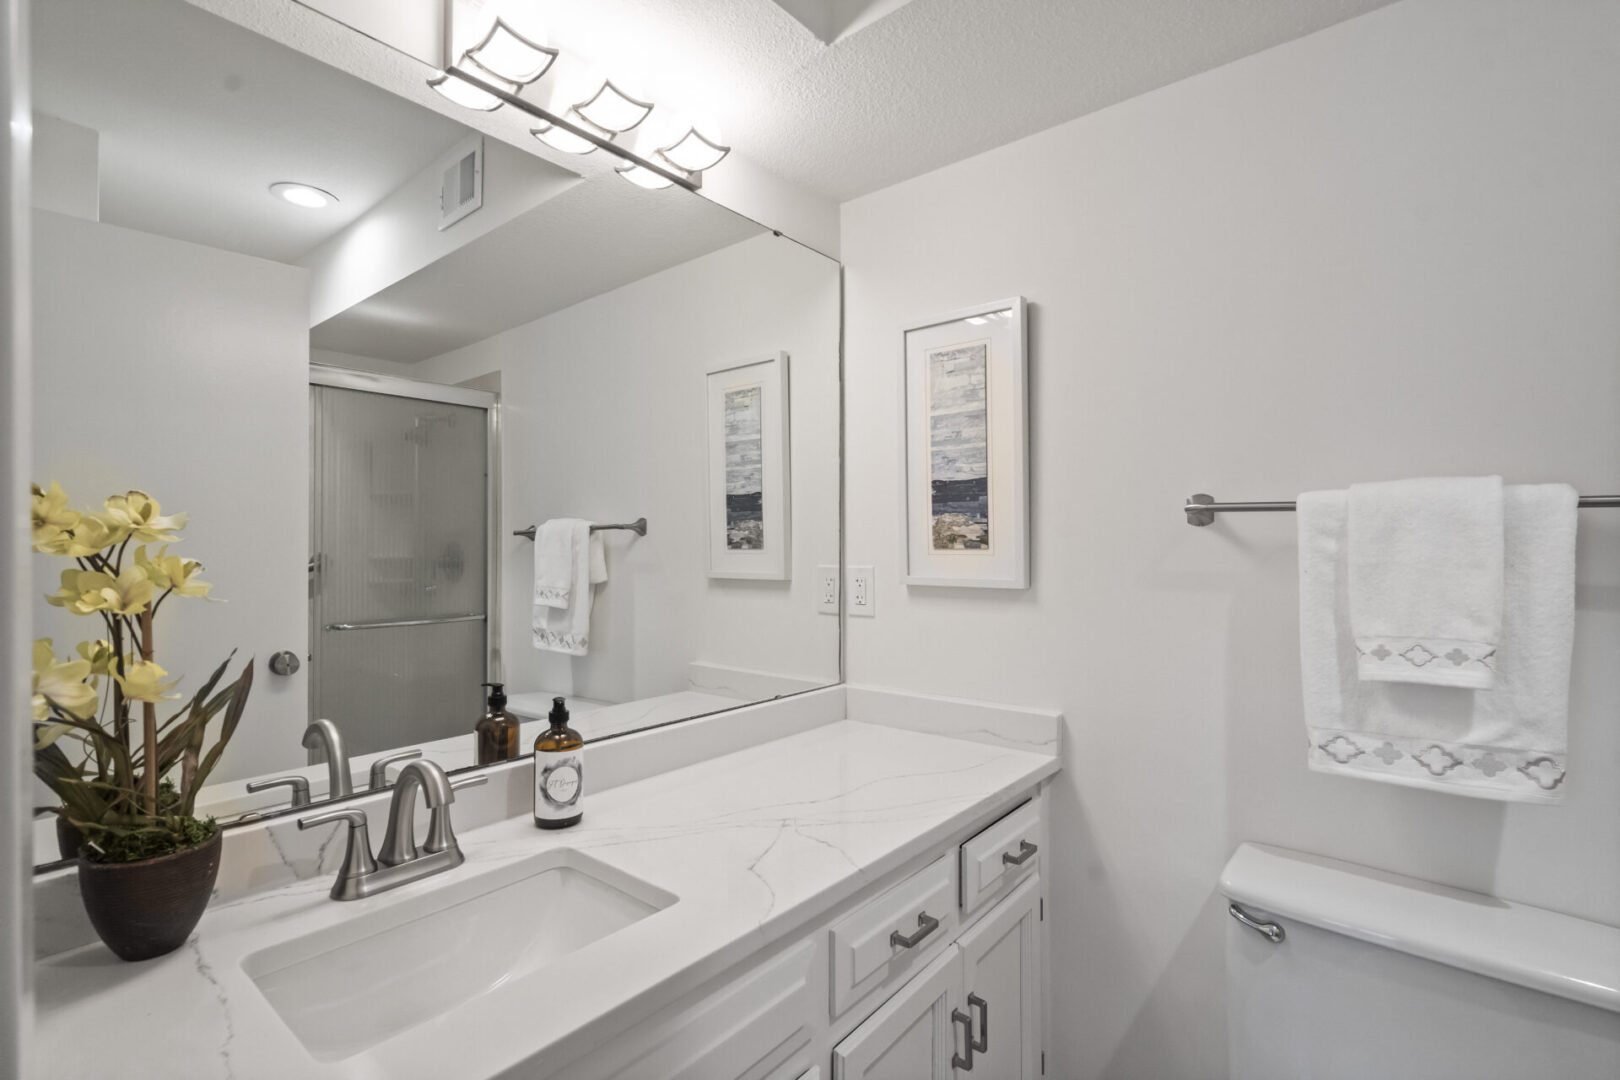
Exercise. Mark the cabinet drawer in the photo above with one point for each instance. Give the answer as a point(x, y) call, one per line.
point(1000, 855)
point(883, 938)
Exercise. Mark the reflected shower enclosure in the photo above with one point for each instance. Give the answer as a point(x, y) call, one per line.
point(399, 572)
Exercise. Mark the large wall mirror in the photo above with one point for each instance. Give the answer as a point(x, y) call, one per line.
point(382, 396)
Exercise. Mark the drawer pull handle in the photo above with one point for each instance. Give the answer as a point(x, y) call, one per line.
point(982, 1044)
point(957, 1060)
point(926, 924)
point(1026, 851)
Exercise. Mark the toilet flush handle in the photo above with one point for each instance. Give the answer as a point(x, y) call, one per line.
point(1269, 930)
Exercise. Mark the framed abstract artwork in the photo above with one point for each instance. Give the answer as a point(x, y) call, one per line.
point(966, 449)
point(750, 521)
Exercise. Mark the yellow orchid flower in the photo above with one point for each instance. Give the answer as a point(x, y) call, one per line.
point(172, 572)
point(142, 516)
point(142, 680)
point(99, 654)
point(81, 591)
point(52, 520)
point(62, 685)
point(94, 532)
point(129, 595)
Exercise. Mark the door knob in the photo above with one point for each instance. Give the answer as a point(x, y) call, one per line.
point(284, 663)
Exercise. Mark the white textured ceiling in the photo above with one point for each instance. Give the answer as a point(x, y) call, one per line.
point(197, 117)
point(925, 83)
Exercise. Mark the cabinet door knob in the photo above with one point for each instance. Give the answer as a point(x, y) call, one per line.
point(958, 1061)
point(1026, 851)
point(926, 924)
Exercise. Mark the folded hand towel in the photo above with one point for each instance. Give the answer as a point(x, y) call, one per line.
point(565, 626)
point(1508, 743)
point(554, 562)
point(1426, 580)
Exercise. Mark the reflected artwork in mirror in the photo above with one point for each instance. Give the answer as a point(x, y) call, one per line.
point(383, 350)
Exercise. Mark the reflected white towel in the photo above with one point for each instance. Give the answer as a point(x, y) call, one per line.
point(1426, 580)
point(1508, 743)
point(562, 612)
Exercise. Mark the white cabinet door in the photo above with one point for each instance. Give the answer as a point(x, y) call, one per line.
point(912, 1036)
point(1001, 979)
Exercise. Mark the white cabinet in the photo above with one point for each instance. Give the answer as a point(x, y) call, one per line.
point(972, 1014)
point(913, 1036)
point(1001, 977)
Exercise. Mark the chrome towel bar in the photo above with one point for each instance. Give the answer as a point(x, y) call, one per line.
point(638, 526)
point(1201, 509)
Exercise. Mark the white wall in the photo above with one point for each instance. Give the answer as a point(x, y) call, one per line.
point(66, 167)
point(1388, 249)
point(183, 370)
point(603, 408)
point(354, 362)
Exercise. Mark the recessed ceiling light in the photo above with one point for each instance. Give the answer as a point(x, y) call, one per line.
point(312, 198)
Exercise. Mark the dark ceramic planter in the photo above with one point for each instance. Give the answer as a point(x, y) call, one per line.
point(148, 908)
point(68, 838)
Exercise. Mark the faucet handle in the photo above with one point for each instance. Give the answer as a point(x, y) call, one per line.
point(476, 780)
point(379, 768)
point(358, 863)
point(299, 785)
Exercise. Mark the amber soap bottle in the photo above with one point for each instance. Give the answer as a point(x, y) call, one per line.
point(559, 772)
point(496, 732)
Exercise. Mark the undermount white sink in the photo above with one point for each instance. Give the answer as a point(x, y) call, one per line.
point(347, 987)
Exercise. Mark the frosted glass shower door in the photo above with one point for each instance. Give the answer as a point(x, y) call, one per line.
point(398, 582)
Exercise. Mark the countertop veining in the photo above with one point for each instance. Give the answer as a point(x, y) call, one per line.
point(754, 844)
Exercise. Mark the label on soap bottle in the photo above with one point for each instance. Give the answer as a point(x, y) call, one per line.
point(559, 786)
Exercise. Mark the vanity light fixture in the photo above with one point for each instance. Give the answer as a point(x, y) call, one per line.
point(693, 152)
point(560, 138)
point(511, 57)
point(305, 195)
point(611, 109)
point(643, 177)
point(467, 95)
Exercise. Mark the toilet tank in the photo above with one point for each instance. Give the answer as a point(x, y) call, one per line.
point(1382, 976)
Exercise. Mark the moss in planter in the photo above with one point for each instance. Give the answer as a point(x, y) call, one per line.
point(148, 837)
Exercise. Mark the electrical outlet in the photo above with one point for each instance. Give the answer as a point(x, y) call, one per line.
point(827, 590)
point(862, 597)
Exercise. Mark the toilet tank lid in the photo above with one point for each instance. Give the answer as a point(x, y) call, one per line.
point(1530, 946)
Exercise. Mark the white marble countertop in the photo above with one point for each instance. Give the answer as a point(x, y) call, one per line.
point(754, 845)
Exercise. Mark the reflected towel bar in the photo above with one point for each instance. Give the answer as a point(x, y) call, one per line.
point(638, 526)
point(1201, 509)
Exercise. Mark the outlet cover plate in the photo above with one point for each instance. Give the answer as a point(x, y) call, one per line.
point(827, 590)
point(862, 598)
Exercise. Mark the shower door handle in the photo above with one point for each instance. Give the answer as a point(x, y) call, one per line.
point(382, 624)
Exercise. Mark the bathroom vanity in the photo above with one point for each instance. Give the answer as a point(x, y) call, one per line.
point(853, 900)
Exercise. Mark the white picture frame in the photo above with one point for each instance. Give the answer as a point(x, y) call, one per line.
point(965, 447)
point(748, 448)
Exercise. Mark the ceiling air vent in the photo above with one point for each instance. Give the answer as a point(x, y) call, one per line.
point(461, 182)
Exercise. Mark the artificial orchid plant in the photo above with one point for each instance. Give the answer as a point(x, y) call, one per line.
point(128, 786)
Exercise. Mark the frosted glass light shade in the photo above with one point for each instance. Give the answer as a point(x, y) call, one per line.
point(613, 110)
point(509, 55)
point(560, 138)
point(467, 95)
point(694, 153)
point(643, 177)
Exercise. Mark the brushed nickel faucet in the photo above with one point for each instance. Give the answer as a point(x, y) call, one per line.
point(325, 736)
point(400, 861)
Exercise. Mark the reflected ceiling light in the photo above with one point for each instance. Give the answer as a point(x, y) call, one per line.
point(694, 153)
point(311, 198)
point(508, 55)
point(613, 110)
point(560, 138)
point(469, 96)
point(643, 177)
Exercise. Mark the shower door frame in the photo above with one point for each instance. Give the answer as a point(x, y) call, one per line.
point(490, 402)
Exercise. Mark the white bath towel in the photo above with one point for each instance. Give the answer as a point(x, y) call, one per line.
point(1507, 743)
point(1425, 570)
point(562, 601)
